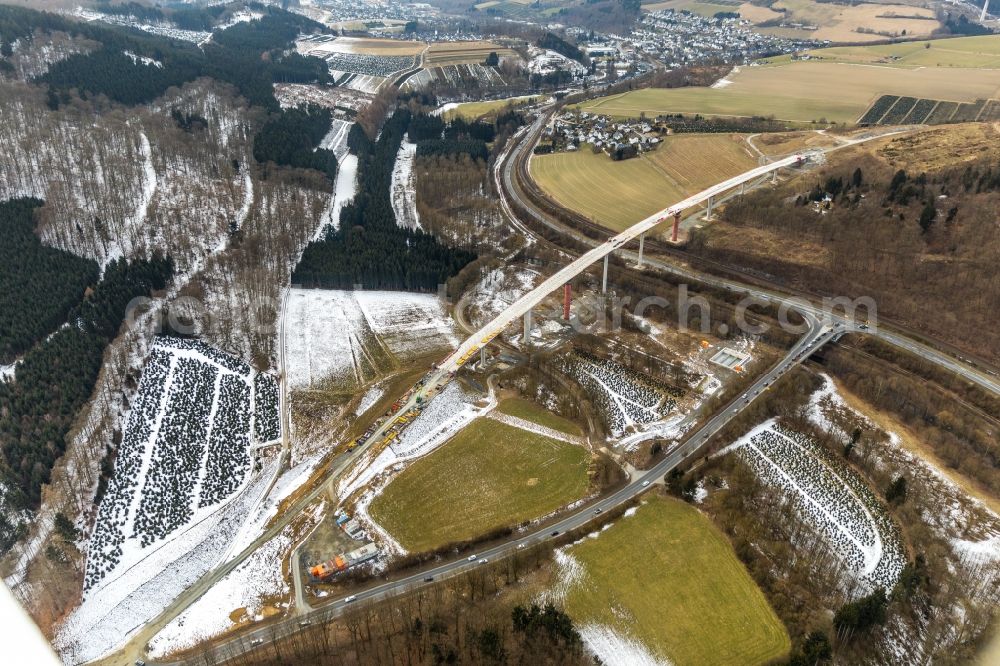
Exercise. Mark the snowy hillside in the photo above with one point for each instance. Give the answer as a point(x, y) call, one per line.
point(126, 186)
point(185, 450)
point(343, 336)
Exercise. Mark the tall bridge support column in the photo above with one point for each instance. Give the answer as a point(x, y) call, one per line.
point(604, 280)
point(642, 242)
point(527, 329)
point(482, 356)
point(677, 225)
point(743, 188)
point(774, 176)
point(708, 213)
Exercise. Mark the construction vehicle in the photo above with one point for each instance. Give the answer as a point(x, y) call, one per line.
point(327, 570)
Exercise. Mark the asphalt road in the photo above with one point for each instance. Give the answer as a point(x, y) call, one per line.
point(507, 185)
point(817, 335)
point(822, 327)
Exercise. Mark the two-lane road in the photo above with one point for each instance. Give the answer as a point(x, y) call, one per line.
point(817, 335)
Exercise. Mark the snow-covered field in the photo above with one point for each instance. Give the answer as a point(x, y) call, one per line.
point(366, 83)
point(832, 498)
point(404, 188)
point(241, 594)
point(335, 335)
point(164, 29)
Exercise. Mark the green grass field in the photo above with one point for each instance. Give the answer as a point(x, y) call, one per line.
point(667, 577)
point(971, 52)
point(487, 476)
point(804, 91)
point(529, 411)
point(474, 110)
point(613, 194)
point(619, 194)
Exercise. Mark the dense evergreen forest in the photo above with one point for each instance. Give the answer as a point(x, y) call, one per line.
point(369, 248)
point(249, 55)
point(56, 377)
point(556, 43)
point(38, 284)
point(434, 137)
point(290, 138)
point(252, 56)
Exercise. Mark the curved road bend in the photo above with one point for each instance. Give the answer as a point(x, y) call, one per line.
point(505, 181)
point(440, 376)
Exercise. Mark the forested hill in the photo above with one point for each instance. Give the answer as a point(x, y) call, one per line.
point(134, 67)
point(369, 249)
point(56, 377)
point(38, 284)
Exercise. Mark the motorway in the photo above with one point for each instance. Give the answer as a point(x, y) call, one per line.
point(817, 335)
point(822, 326)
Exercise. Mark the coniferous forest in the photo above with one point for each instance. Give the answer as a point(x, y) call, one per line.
point(290, 138)
point(38, 284)
point(368, 248)
point(56, 377)
point(251, 56)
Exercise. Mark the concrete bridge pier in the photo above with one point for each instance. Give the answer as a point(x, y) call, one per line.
point(642, 242)
point(677, 226)
point(527, 329)
point(708, 213)
point(774, 176)
point(482, 356)
point(604, 280)
point(743, 188)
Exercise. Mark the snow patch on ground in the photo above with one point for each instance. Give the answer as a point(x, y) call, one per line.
point(287, 483)
point(107, 620)
point(447, 414)
point(404, 187)
point(978, 552)
point(330, 333)
point(445, 108)
point(498, 289)
point(444, 416)
point(371, 396)
point(614, 649)
point(531, 426)
point(247, 586)
point(344, 191)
